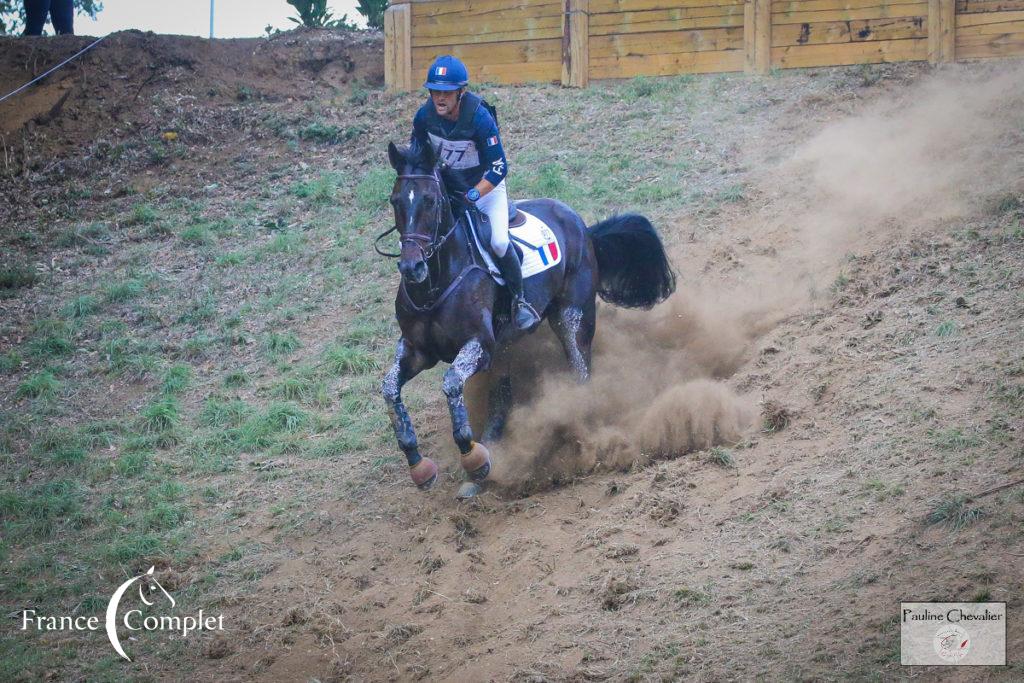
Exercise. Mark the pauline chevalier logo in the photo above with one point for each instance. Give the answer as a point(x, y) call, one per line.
point(151, 594)
point(953, 633)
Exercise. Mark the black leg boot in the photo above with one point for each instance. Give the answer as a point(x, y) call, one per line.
point(522, 312)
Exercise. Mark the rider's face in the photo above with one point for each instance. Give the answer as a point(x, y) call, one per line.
point(446, 102)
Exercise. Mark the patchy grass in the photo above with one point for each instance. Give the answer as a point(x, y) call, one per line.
point(374, 188)
point(342, 359)
point(722, 457)
point(14, 277)
point(176, 379)
point(40, 385)
point(953, 439)
point(81, 306)
point(277, 343)
point(321, 190)
point(953, 511)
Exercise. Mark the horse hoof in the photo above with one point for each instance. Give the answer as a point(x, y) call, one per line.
point(477, 462)
point(424, 473)
point(469, 489)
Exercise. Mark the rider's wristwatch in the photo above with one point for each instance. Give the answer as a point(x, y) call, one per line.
point(473, 194)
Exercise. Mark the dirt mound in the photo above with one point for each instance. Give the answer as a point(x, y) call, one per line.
point(113, 86)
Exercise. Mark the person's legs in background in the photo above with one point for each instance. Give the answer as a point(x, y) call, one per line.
point(62, 15)
point(35, 16)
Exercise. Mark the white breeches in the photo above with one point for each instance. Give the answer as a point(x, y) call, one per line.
point(495, 205)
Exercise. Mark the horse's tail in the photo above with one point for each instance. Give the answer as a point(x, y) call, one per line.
point(632, 268)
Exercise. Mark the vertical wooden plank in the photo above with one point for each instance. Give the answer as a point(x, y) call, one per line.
point(941, 31)
point(763, 38)
point(398, 48)
point(576, 43)
point(749, 37)
point(948, 23)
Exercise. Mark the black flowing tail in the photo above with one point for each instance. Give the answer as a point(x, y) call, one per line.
point(632, 268)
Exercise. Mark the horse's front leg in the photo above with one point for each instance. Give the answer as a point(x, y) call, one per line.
point(471, 359)
point(408, 363)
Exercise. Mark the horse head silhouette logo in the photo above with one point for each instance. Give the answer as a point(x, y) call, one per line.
point(148, 586)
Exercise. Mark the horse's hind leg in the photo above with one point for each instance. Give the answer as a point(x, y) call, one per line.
point(574, 324)
point(499, 399)
point(472, 358)
point(408, 364)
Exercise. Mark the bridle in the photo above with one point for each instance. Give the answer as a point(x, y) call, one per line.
point(430, 246)
point(427, 244)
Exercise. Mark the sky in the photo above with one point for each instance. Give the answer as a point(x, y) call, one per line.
point(232, 18)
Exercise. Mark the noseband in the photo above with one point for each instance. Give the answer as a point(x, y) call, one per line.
point(428, 245)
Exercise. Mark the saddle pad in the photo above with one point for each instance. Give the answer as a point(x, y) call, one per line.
point(541, 249)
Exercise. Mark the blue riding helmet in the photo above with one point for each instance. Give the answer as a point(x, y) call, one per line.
point(447, 73)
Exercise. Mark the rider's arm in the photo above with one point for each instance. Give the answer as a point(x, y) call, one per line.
point(493, 155)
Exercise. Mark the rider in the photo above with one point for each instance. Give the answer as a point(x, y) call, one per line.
point(461, 129)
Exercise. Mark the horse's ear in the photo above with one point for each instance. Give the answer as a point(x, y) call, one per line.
point(427, 159)
point(396, 157)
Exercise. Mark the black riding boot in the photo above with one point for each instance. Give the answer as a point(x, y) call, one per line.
point(522, 312)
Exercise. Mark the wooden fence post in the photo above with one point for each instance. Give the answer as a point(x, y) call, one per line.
point(941, 31)
point(757, 36)
point(576, 43)
point(398, 47)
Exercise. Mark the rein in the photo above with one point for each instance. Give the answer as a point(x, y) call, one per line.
point(428, 245)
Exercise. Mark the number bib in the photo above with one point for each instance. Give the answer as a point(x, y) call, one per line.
point(458, 154)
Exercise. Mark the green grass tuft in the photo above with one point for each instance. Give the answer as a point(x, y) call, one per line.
point(142, 214)
point(16, 277)
point(287, 417)
point(197, 236)
point(220, 412)
point(722, 457)
point(953, 511)
point(51, 338)
point(42, 384)
point(176, 379)
point(277, 343)
point(81, 306)
point(340, 359)
point(161, 416)
point(125, 290)
point(953, 439)
point(321, 191)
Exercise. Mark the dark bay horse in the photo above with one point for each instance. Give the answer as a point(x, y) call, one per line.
point(450, 309)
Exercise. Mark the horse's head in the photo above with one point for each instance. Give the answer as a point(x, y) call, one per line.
point(421, 208)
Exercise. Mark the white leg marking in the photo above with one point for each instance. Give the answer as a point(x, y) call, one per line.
point(572, 318)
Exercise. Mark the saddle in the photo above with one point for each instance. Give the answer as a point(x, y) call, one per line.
point(481, 226)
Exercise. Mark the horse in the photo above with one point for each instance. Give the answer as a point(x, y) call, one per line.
point(450, 309)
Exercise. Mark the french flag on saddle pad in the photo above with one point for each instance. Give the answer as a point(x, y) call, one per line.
point(539, 244)
point(549, 252)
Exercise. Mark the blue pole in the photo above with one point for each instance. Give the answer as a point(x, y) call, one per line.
point(211, 19)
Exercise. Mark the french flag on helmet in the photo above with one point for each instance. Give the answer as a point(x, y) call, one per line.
point(447, 73)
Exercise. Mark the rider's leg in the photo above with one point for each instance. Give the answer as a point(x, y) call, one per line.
point(62, 15)
point(495, 205)
point(36, 12)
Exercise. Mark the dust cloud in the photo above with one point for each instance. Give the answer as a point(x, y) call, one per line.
point(937, 150)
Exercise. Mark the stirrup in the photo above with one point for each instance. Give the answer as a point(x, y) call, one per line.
point(525, 315)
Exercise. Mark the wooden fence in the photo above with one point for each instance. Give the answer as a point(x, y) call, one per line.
point(572, 41)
